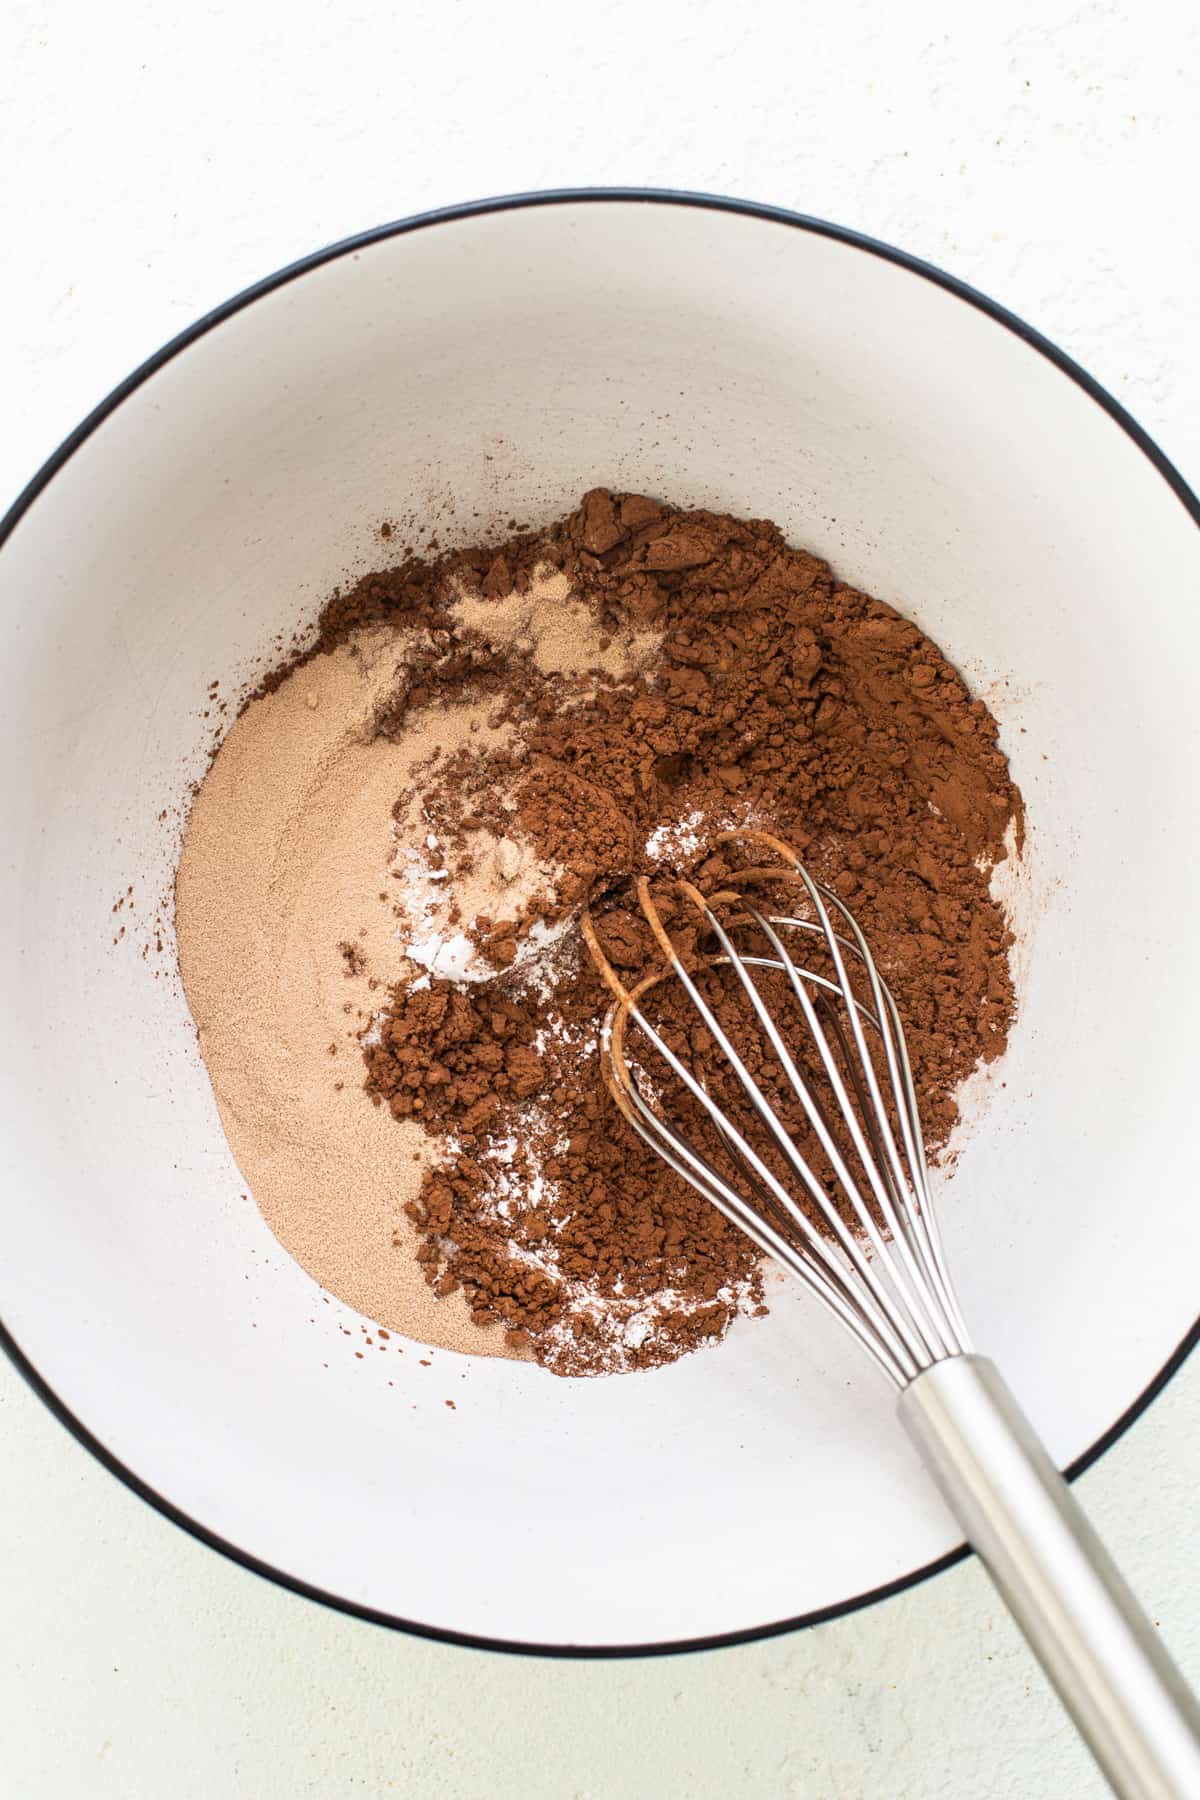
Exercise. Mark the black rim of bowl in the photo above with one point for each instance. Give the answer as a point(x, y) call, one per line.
point(348, 246)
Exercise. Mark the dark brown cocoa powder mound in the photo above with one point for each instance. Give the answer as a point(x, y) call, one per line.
point(574, 1180)
point(780, 698)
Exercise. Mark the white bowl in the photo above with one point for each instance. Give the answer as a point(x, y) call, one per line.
point(470, 366)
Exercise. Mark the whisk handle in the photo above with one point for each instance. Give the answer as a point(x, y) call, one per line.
point(1128, 1700)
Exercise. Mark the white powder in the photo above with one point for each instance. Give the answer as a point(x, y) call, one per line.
point(452, 958)
point(487, 874)
point(672, 843)
point(556, 632)
point(620, 1325)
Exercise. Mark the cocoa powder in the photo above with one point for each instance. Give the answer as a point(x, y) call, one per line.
point(737, 682)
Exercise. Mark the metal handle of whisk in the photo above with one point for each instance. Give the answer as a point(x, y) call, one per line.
point(1100, 1651)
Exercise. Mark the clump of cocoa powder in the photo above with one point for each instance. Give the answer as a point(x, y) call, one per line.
point(779, 697)
point(570, 1210)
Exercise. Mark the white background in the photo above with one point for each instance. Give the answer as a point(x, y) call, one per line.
point(156, 160)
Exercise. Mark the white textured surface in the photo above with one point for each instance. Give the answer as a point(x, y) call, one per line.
point(155, 164)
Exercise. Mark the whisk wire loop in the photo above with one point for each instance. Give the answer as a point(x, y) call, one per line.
point(815, 1115)
point(659, 1133)
point(873, 1125)
point(674, 1149)
point(878, 1264)
point(919, 1219)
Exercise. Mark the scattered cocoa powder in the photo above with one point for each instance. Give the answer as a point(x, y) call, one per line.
point(776, 696)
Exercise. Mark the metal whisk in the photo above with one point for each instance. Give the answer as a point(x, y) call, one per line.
point(847, 1210)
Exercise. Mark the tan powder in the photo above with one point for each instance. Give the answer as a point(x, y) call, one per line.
point(309, 885)
point(445, 888)
point(556, 631)
point(288, 848)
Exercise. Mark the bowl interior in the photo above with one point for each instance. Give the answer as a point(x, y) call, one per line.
point(468, 372)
